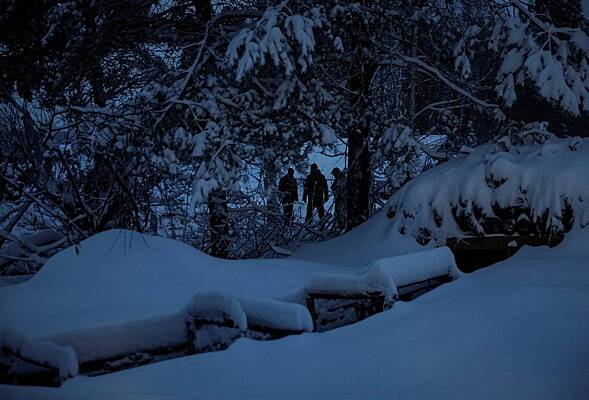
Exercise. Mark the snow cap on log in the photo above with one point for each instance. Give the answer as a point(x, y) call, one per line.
point(63, 359)
point(249, 310)
point(415, 267)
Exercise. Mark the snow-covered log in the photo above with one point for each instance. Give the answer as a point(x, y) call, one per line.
point(22, 356)
point(246, 311)
point(217, 307)
point(372, 281)
point(337, 300)
point(416, 273)
point(276, 315)
point(216, 320)
point(116, 340)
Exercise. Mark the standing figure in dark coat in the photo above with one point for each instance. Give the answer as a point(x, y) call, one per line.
point(316, 193)
point(338, 188)
point(289, 194)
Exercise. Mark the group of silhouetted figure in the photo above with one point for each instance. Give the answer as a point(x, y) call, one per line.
point(315, 195)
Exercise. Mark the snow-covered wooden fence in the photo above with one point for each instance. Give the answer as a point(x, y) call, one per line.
point(213, 321)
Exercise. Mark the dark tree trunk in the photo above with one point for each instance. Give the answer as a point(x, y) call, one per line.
point(203, 13)
point(218, 207)
point(271, 194)
point(359, 172)
point(219, 224)
point(95, 72)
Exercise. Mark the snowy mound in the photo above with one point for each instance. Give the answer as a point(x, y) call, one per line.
point(544, 186)
point(515, 331)
point(121, 292)
point(122, 276)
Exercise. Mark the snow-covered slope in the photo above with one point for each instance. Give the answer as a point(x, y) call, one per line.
point(121, 275)
point(496, 333)
point(375, 239)
point(517, 330)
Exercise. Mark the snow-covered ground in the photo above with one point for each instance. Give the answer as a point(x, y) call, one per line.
point(518, 329)
point(120, 276)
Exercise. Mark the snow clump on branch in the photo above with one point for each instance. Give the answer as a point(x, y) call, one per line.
point(271, 37)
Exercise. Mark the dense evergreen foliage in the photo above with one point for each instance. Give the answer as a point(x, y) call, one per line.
point(178, 117)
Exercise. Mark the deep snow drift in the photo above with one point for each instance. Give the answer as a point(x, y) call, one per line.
point(516, 330)
point(122, 276)
point(124, 292)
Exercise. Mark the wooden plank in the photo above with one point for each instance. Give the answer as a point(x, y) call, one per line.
point(136, 359)
point(18, 370)
point(415, 289)
point(330, 311)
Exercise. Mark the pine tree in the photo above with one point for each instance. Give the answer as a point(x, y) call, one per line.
point(361, 73)
point(560, 13)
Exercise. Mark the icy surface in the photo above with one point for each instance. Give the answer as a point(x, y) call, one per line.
point(517, 330)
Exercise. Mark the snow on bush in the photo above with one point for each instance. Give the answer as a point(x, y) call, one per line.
point(49, 354)
point(271, 37)
point(547, 184)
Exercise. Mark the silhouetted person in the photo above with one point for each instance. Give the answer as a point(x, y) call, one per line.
point(289, 194)
point(338, 188)
point(316, 193)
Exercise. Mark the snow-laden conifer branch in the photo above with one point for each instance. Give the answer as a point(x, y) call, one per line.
point(554, 59)
point(271, 38)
